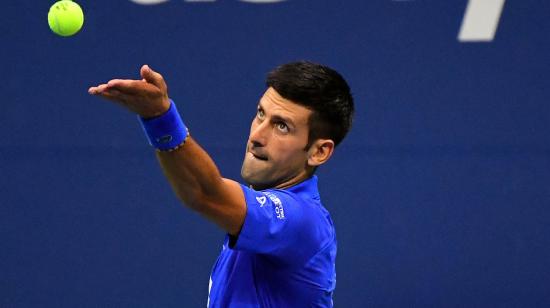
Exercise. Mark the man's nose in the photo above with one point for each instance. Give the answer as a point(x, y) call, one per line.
point(258, 133)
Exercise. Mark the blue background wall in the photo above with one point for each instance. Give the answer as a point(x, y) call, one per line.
point(440, 194)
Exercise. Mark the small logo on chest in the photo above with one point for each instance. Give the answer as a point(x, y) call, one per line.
point(261, 200)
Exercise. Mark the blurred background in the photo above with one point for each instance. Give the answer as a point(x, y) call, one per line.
point(440, 193)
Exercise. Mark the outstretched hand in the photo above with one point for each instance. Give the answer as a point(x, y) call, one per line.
point(147, 97)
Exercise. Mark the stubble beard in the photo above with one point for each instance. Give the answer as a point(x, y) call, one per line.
point(251, 175)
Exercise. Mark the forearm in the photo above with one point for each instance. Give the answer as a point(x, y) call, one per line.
point(198, 183)
point(191, 172)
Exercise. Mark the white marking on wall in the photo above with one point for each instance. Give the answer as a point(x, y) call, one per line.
point(481, 20)
point(262, 1)
point(149, 2)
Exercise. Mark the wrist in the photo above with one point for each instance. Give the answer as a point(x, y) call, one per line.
point(165, 132)
point(157, 112)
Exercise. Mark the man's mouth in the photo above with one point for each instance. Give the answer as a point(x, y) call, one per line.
point(259, 157)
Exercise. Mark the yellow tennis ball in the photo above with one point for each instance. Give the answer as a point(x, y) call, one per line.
point(65, 18)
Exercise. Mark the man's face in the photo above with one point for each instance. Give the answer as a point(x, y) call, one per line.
point(275, 153)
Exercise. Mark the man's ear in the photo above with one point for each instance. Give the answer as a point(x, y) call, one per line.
point(319, 152)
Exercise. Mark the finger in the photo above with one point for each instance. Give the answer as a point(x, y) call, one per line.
point(116, 96)
point(125, 85)
point(98, 89)
point(121, 83)
point(136, 87)
point(153, 77)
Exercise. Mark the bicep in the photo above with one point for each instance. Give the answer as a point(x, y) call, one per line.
point(228, 208)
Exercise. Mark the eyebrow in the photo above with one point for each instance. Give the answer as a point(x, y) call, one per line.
point(277, 117)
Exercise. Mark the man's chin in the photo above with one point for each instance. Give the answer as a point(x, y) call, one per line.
point(251, 181)
point(255, 182)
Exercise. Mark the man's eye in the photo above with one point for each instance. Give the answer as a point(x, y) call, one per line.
point(260, 114)
point(282, 127)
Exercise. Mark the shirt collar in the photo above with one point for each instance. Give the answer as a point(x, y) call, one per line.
point(307, 188)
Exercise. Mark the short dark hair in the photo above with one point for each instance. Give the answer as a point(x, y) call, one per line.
point(321, 89)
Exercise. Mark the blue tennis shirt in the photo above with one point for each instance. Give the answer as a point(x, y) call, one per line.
point(284, 255)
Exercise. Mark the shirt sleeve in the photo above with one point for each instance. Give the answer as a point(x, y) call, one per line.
point(281, 224)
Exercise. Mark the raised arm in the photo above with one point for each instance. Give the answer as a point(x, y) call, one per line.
point(191, 172)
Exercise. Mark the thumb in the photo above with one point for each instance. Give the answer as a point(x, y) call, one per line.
point(152, 77)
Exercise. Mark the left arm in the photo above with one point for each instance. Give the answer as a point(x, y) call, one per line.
point(191, 172)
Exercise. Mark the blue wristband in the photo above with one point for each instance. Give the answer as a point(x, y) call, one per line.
point(167, 131)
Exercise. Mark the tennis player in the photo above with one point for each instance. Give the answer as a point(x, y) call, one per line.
point(280, 248)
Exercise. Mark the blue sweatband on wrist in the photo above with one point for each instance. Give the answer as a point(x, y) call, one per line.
point(167, 131)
